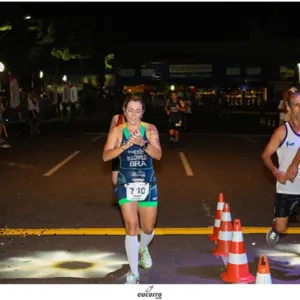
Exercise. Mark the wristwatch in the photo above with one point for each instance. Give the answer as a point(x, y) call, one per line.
point(146, 144)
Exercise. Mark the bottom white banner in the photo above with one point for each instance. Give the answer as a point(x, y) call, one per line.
point(142, 291)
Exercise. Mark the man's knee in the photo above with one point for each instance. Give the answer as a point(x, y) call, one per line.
point(280, 226)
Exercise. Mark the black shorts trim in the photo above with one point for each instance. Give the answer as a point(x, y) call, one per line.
point(173, 126)
point(33, 114)
point(115, 164)
point(285, 204)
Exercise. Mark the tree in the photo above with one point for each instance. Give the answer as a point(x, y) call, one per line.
point(49, 41)
point(107, 59)
point(56, 44)
point(66, 55)
point(5, 27)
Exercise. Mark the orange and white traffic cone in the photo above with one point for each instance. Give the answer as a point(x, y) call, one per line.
point(263, 275)
point(225, 234)
point(237, 270)
point(218, 218)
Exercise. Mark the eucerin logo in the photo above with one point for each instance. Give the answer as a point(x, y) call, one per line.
point(289, 144)
point(149, 294)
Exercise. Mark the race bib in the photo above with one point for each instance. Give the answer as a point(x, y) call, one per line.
point(137, 191)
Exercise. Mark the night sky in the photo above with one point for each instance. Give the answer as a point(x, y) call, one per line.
point(173, 21)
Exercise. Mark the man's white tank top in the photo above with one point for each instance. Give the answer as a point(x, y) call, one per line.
point(286, 153)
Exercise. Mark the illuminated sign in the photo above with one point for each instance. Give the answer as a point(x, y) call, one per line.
point(190, 68)
point(233, 71)
point(148, 72)
point(128, 72)
point(253, 71)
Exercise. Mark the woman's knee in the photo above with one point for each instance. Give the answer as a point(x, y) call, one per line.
point(148, 229)
point(132, 227)
point(148, 226)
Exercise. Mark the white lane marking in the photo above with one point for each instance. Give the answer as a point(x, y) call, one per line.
point(13, 164)
point(186, 164)
point(62, 163)
point(98, 137)
point(247, 139)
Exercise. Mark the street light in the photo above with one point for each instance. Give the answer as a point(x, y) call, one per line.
point(172, 87)
point(2, 67)
point(27, 18)
point(41, 74)
point(64, 78)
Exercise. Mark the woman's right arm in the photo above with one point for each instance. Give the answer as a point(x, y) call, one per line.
point(111, 150)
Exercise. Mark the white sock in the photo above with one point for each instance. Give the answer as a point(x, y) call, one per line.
point(132, 251)
point(146, 239)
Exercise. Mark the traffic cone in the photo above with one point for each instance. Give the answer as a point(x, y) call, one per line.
point(218, 218)
point(263, 275)
point(237, 270)
point(225, 234)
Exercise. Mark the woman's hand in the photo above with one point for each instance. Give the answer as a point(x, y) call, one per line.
point(137, 139)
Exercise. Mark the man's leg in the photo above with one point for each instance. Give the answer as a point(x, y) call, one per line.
point(31, 122)
point(177, 135)
point(185, 121)
point(284, 205)
point(20, 116)
point(37, 123)
point(1, 129)
point(5, 131)
point(115, 166)
point(171, 133)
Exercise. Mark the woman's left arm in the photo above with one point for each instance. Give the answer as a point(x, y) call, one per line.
point(153, 148)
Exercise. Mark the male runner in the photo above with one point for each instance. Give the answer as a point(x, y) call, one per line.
point(285, 141)
point(173, 108)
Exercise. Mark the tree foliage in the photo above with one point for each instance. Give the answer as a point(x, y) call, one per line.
point(59, 39)
point(52, 42)
point(107, 59)
point(5, 27)
point(66, 55)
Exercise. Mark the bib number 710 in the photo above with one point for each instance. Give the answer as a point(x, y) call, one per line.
point(137, 191)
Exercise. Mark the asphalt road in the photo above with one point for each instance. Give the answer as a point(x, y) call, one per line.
point(78, 195)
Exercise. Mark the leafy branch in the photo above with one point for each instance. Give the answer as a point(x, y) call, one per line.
point(66, 55)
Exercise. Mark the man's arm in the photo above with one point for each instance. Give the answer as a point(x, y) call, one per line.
point(282, 106)
point(296, 160)
point(293, 168)
point(274, 143)
point(167, 107)
point(182, 106)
